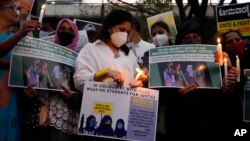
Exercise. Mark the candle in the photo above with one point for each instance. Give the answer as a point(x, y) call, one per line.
point(238, 68)
point(41, 13)
point(219, 49)
point(225, 66)
point(139, 73)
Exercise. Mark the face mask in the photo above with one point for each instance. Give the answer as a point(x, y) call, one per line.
point(119, 126)
point(192, 41)
point(119, 38)
point(65, 38)
point(236, 48)
point(161, 40)
point(91, 124)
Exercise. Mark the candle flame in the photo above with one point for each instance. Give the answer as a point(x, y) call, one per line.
point(225, 60)
point(237, 57)
point(139, 73)
point(43, 6)
point(218, 40)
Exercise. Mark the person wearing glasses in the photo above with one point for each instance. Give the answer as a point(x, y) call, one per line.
point(9, 117)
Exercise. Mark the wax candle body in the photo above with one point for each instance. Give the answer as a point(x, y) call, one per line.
point(238, 68)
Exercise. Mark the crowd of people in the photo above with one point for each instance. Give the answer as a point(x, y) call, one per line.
point(184, 113)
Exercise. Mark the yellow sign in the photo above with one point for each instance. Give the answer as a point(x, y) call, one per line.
point(242, 25)
point(102, 108)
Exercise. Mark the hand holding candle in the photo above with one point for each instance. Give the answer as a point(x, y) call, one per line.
point(139, 73)
point(219, 49)
point(41, 13)
point(238, 68)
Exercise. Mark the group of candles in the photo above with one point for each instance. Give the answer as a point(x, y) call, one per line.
point(221, 61)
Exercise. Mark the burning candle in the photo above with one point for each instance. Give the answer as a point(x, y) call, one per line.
point(225, 66)
point(139, 73)
point(238, 68)
point(219, 49)
point(41, 13)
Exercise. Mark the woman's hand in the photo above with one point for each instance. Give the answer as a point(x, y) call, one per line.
point(224, 55)
point(30, 25)
point(230, 80)
point(117, 76)
point(30, 92)
point(188, 89)
point(66, 93)
point(143, 78)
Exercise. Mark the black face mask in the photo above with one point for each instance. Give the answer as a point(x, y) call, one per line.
point(65, 38)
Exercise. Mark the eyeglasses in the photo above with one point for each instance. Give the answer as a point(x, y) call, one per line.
point(14, 7)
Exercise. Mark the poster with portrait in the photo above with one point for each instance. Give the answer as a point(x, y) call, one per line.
point(41, 64)
point(109, 111)
point(167, 17)
point(182, 65)
point(87, 25)
point(246, 101)
point(234, 16)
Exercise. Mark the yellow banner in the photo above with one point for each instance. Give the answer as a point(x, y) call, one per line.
point(242, 25)
point(102, 108)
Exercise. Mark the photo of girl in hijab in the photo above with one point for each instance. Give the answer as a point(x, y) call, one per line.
point(90, 125)
point(120, 131)
point(105, 127)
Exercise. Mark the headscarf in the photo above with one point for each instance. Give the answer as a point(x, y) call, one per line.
point(74, 43)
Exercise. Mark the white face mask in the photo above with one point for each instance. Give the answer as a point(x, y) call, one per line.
point(161, 40)
point(119, 38)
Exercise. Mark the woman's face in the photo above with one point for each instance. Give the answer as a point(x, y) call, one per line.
point(10, 13)
point(231, 38)
point(123, 27)
point(65, 27)
point(159, 30)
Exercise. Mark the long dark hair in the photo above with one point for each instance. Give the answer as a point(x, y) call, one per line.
point(114, 18)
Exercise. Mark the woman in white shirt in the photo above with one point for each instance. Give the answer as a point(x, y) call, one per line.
point(109, 59)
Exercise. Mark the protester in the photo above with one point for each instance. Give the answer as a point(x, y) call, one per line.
point(9, 110)
point(63, 110)
point(161, 34)
point(109, 59)
point(231, 103)
point(136, 43)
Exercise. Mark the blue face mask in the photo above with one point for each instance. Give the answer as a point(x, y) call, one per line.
point(91, 124)
point(119, 126)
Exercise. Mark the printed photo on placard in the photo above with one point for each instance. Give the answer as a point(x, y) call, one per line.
point(104, 114)
point(182, 65)
point(41, 64)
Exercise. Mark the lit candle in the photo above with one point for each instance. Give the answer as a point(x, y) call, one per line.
point(238, 68)
point(219, 49)
point(225, 66)
point(41, 13)
point(139, 73)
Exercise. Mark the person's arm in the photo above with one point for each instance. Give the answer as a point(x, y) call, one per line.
point(8, 45)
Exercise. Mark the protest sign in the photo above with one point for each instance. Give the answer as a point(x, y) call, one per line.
point(134, 109)
point(246, 101)
point(86, 25)
point(166, 17)
point(41, 64)
point(235, 16)
point(182, 65)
